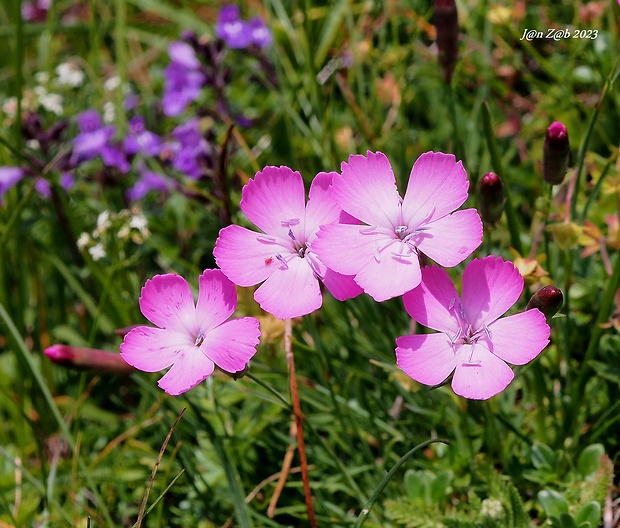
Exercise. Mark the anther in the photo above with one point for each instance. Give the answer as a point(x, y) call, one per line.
point(281, 259)
point(290, 233)
point(199, 339)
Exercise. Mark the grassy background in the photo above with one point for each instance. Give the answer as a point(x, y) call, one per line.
point(76, 444)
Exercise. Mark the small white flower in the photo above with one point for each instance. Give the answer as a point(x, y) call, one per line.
point(123, 232)
point(51, 102)
point(83, 240)
point(112, 83)
point(103, 221)
point(138, 222)
point(69, 74)
point(9, 106)
point(41, 77)
point(33, 144)
point(109, 112)
point(97, 252)
point(491, 508)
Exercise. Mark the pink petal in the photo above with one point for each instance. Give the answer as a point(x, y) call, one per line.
point(437, 186)
point(490, 286)
point(191, 368)
point(519, 338)
point(342, 287)
point(167, 302)
point(451, 239)
point(247, 257)
point(367, 190)
point(274, 196)
point(434, 302)
point(322, 207)
point(152, 349)
point(231, 345)
point(480, 375)
point(427, 358)
point(217, 300)
point(390, 276)
point(344, 248)
point(290, 292)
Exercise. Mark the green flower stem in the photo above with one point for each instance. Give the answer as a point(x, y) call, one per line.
point(496, 163)
point(459, 149)
point(120, 44)
point(368, 506)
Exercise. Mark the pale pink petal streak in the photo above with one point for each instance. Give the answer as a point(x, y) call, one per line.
point(519, 338)
point(167, 301)
point(490, 287)
point(437, 186)
point(435, 302)
point(367, 190)
point(275, 195)
point(427, 358)
point(217, 300)
point(480, 375)
point(291, 291)
point(247, 257)
point(231, 345)
point(152, 349)
point(451, 239)
point(190, 369)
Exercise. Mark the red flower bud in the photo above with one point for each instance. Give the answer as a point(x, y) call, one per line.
point(548, 300)
point(555, 153)
point(88, 359)
point(447, 26)
point(491, 196)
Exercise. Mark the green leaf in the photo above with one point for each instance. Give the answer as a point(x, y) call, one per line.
point(439, 488)
point(590, 515)
point(543, 457)
point(415, 483)
point(589, 459)
point(553, 503)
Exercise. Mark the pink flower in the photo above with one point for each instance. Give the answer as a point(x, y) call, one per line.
point(191, 338)
point(383, 254)
point(283, 254)
point(473, 342)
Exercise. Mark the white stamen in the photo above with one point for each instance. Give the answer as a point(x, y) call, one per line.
point(281, 259)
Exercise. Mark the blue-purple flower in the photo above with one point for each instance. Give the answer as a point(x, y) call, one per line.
point(139, 140)
point(9, 176)
point(189, 148)
point(184, 78)
point(238, 33)
point(149, 181)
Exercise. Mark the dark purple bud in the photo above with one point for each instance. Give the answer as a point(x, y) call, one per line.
point(32, 126)
point(187, 35)
point(548, 300)
point(54, 133)
point(555, 153)
point(491, 195)
point(447, 26)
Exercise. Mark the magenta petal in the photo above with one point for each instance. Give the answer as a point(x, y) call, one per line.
point(390, 276)
point(152, 349)
point(343, 247)
point(191, 368)
point(451, 239)
point(290, 292)
point(480, 375)
point(275, 196)
point(246, 257)
point(217, 300)
point(231, 345)
point(167, 302)
point(367, 190)
point(322, 207)
point(427, 358)
point(437, 186)
point(435, 302)
point(520, 338)
point(342, 287)
point(490, 287)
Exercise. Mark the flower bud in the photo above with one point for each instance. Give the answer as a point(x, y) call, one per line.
point(447, 26)
point(236, 375)
point(491, 196)
point(548, 300)
point(555, 153)
point(88, 359)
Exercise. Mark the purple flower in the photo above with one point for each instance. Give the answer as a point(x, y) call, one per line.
point(184, 78)
point(35, 10)
point(94, 140)
point(190, 147)
point(237, 33)
point(139, 140)
point(149, 181)
point(42, 186)
point(9, 176)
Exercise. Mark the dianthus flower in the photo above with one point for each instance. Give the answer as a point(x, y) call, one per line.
point(383, 254)
point(191, 338)
point(283, 254)
point(472, 340)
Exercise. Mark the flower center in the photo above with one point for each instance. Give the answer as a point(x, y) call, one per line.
point(199, 339)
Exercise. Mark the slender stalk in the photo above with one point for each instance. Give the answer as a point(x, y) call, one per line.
point(459, 149)
point(496, 163)
point(290, 360)
point(368, 506)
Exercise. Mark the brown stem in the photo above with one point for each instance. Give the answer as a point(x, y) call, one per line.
point(290, 361)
